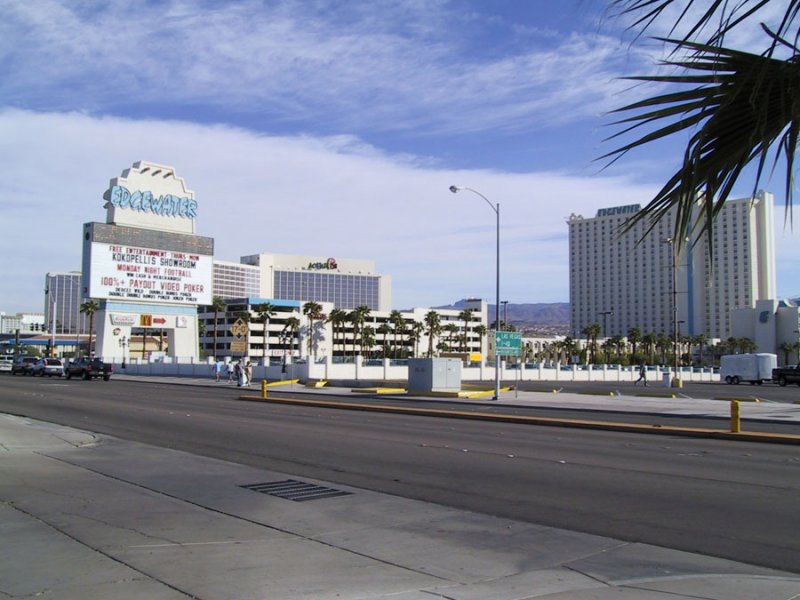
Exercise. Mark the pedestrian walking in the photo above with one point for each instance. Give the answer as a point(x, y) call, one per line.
point(239, 373)
point(217, 370)
point(248, 373)
point(229, 369)
point(642, 375)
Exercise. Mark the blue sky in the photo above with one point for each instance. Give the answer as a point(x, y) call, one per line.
point(331, 129)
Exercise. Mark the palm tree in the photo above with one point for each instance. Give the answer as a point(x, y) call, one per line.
point(358, 317)
point(741, 108)
point(265, 311)
point(367, 338)
point(385, 329)
point(201, 332)
point(746, 345)
point(417, 329)
point(663, 343)
point(313, 311)
point(466, 316)
point(89, 308)
point(607, 346)
point(217, 305)
point(452, 333)
point(433, 322)
point(591, 332)
point(649, 340)
point(481, 330)
point(291, 326)
point(337, 318)
point(634, 337)
point(617, 343)
point(700, 341)
point(399, 324)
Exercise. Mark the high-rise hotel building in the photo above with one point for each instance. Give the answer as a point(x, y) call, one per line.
point(620, 281)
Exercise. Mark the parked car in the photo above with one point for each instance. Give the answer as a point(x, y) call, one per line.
point(787, 374)
point(48, 366)
point(6, 362)
point(22, 364)
point(88, 368)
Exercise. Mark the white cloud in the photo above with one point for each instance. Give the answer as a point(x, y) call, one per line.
point(292, 195)
point(395, 66)
point(320, 196)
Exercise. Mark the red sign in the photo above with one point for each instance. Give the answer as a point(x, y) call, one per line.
point(159, 320)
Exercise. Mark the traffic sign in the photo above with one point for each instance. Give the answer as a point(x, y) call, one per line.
point(508, 343)
point(239, 346)
point(239, 328)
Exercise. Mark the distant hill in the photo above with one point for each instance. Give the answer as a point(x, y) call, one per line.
point(535, 318)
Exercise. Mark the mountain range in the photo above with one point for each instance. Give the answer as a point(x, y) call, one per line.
point(537, 318)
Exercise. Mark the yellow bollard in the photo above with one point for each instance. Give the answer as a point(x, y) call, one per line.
point(736, 421)
point(263, 389)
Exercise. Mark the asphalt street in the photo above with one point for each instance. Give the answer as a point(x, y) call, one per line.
point(732, 500)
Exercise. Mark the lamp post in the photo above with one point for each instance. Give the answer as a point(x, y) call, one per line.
point(53, 330)
point(496, 208)
point(123, 343)
point(676, 382)
point(605, 314)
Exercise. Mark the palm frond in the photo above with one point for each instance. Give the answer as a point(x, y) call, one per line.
point(741, 108)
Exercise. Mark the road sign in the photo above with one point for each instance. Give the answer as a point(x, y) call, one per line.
point(508, 343)
point(239, 328)
point(239, 346)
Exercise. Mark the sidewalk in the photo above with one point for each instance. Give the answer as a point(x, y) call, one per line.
point(84, 516)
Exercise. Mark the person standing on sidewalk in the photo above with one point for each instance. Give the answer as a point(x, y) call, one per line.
point(217, 370)
point(642, 375)
point(248, 373)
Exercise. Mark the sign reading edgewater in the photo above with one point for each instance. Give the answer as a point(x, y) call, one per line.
point(148, 275)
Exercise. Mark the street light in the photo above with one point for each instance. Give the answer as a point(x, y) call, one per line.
point(123, 343)
point(496, 208)
point(676, 382)
point(605, 314)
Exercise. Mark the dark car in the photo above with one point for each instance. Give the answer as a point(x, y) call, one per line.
point(23, 364)
point(88, 368)
point(48, 366)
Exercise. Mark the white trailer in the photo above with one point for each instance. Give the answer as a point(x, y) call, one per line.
point(753, 368)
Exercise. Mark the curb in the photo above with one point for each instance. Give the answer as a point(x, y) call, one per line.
point(742, 436)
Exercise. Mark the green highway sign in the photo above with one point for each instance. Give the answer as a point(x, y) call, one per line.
point(508, 343)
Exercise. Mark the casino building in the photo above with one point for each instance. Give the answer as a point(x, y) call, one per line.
point(620, 281)
point(344, 282)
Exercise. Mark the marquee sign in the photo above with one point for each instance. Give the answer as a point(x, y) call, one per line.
point(127, 273)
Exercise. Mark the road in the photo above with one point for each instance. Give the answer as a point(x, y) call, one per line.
point(729, 499)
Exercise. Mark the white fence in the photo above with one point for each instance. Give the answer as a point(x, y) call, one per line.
point(391, 370)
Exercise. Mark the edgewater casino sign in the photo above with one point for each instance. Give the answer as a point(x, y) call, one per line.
point(630, 209)
point(145, 265)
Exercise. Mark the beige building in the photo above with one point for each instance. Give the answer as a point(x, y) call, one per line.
point(626, 280)
point(344, 282)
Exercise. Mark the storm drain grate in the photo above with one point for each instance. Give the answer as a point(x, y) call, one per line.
point(299, 491)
